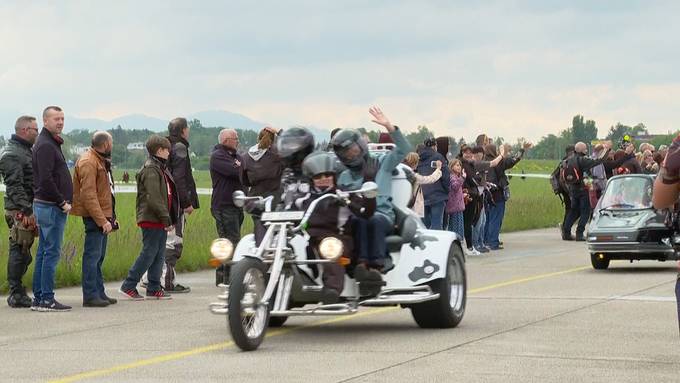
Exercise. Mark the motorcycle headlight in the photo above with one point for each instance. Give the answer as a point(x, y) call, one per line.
point(331, 248)
point(222, 250)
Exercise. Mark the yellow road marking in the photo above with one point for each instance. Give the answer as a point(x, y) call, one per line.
point(224, 345)
point(527, 279)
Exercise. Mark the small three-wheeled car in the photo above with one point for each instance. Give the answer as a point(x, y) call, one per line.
point(625, 225)
point(274, 280)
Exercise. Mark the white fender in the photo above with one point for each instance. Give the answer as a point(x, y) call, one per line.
point(418, 266)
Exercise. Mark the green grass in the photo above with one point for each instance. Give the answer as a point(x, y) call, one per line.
point(535, 166)
point(202, 177)
point(124, 245)
point(532, 205)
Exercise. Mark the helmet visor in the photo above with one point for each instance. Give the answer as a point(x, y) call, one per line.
point(351, 154)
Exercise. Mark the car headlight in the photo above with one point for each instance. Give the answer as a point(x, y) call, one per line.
point(222, 250)
point(331, 248)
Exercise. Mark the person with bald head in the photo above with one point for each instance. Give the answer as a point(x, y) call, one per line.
point(94, 201)
point(576, 166)
point(225, 170)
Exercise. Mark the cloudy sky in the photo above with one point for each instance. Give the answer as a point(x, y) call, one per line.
point(505, 68)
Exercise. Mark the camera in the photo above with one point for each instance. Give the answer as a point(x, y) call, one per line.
point(433, 164)
point(625, 141)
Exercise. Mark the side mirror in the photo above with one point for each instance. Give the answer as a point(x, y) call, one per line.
point(239, 198)
point(369, 189)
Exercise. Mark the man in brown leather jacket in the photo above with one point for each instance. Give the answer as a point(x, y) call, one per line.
point(93, 200)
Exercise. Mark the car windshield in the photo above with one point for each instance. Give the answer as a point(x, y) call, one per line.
point(628, 193)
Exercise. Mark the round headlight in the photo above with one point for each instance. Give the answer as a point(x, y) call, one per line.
point(222, 249)
point(331, 248)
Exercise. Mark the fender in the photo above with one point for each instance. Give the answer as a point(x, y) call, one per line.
point(415, 266)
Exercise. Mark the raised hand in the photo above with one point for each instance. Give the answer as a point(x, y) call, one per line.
point(380, 118)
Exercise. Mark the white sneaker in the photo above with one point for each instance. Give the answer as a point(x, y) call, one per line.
point(473, 252)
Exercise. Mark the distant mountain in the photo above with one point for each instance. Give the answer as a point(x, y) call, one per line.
point(213, 118)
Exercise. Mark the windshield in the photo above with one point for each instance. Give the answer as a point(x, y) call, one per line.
point(628, 193)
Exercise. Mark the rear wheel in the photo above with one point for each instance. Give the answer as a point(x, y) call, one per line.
point(448, 310)
point(247, 316)
point(599, 261)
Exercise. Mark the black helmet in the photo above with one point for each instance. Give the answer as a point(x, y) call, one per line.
point(319, 163)
point(293, 145)
point(350, 148)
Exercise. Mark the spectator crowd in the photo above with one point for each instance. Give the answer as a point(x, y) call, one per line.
point(580, 179)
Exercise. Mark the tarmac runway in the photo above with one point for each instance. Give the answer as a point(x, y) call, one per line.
point(536, 312)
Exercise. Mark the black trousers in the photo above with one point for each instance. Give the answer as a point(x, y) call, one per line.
point(17, 263)
point(228, 221)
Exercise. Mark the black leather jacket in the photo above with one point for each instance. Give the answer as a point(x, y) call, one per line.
point(16, 169)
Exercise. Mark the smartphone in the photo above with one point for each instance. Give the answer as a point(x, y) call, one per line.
point(433, 164)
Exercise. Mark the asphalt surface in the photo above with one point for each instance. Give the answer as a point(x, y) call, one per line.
point(536, 312)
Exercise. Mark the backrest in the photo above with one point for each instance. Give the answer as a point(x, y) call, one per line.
point(402, 189)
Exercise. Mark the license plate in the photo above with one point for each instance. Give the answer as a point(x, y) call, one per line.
point(282, 216)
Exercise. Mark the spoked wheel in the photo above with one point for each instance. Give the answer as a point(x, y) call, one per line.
point(247, 315)
point(448, 310)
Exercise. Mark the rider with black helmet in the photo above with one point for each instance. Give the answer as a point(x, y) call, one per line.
point(292, 146)
point(370, 234)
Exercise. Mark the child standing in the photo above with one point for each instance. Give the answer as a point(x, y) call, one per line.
point(455, 206)
point(157, 213)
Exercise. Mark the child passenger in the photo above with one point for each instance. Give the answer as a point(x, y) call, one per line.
point(330, 219)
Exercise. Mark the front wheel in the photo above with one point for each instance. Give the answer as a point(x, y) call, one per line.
point(446, 311)
point(599, 262)
point(247, 316)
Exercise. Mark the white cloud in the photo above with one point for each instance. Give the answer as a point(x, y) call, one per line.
point(507, 68)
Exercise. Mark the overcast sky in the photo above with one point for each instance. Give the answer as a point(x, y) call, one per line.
point(505, 68)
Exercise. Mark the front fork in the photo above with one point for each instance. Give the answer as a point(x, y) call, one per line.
point(280, 281)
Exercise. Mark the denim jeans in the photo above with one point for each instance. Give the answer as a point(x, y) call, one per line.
point(494, 221)
point(369, 238)
point(434, 215)
point(478, 230)
point(94, 251)
point(150, 259)
point(456, 224)
point(51, 223)
point(580, 208)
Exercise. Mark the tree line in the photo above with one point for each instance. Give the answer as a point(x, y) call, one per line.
point(203, 139)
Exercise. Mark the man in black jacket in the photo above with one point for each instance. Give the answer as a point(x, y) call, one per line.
point(179, 165)
point(225, 168)
point(578, 194)
point(16, 169)
point(51, 205)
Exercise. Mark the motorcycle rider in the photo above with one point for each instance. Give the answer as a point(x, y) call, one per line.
point(370, 234)
point(330, 219)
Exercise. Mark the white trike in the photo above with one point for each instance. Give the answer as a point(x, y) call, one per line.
point(273, 281)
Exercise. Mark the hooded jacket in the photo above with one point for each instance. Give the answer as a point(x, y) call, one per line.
point(261, 172)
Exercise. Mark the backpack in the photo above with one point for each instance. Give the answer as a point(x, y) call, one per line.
point(555, 179)
point(571, 172)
